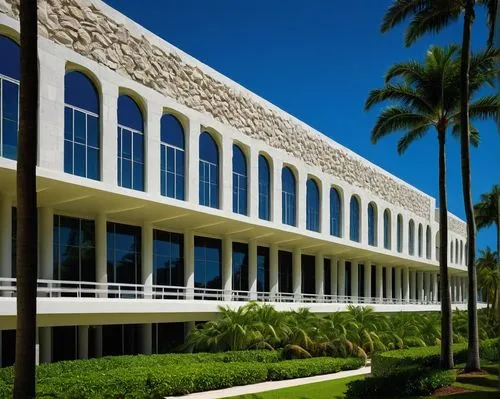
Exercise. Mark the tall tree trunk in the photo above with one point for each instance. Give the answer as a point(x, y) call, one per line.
point(473, 363)
point(26, 266)
point(446, 319)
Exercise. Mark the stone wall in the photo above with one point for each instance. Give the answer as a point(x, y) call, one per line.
point(82, 26)
point(457, 226)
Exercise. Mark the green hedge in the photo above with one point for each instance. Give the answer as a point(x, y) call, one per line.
point(298, 368)
point(386, 363)
point(399, 385)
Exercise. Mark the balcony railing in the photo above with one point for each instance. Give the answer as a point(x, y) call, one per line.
point(85, 289)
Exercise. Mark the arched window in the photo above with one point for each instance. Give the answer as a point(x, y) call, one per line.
point(335, 213)
point(10, 75)
point(239, 181)
point(428, 242)
point(420, 240)
point(437, 244)
point(399, 233)
point(82, 137)
point(209, 171)
point(372, 224)
point(172, 156)
point(130, 144)
point(411, 237)
point(456, 250)
point(354, 219)
point(387, 229)
point(461, 252)
point(288, 202)
point(312, 205)
point(451, 251)
point(466, 255)
point(264, 189)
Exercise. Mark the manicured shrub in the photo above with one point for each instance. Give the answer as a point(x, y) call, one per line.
point(403, 384)
point(288, 369)
point(295, 352)
point(387, 363)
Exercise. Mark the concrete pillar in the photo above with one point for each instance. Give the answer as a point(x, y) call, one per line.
point(45, 240)
point(413, 285)
point(341, 278)
point(147, 258)
point(252, 269)
point(6, 229)
point(379, 283)
point(253, 184)
point(273, 269)
point(420, 286)
point(189, 263)
point(152, 147)
point(297, 271)
point(434, 283)
point(397, 283)
point(83, 342)
point(406, 284)
point(452, 288)
point(354, 281)
point(464, 289)
point(333, 275)
point(188, 327)
point(388, 285)
point(227, 267)
point(101, 249)
point(226, 185)
point(319, 274)
point(147, 338)
point(193, 162)
point(276, 215)
point(109, 133)
point(45, 340)
point(427, 286)
point(368, 281)
point(98, 341)
point(459, 289)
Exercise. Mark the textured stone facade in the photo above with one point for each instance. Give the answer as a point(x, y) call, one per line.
point(457, 226)
point(82, 26)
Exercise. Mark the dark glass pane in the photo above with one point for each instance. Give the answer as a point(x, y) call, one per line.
point(80, 161)
point(93, 163)
point(138, 176)
point(180, 187)
point(80, 127)
point(239, 161)
point(208, 148)
point(126, 137)
point(92, 131)
point(129, 113)
point(68, 123)
point(80, 92)
point(138, 150)
point(11, 58)
point(172, 131)
point(126, 174)
point(170, 159)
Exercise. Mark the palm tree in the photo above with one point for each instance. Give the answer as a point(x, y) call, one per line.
point(427, 98)
point(489, 277)
point(487, 211)
point(432, 16)
point(26, 266)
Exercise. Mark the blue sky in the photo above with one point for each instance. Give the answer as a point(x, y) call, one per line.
point(318, 60)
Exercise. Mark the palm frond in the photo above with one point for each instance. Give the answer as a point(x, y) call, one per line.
point(401, 10)
point(432, 20)
point(414, 134)
point(402, 93)
point(491, 16)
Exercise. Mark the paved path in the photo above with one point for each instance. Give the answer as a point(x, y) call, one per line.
point(271, 385)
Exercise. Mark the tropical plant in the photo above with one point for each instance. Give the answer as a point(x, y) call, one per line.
point(432, 16)
point(487, 212)
point(426, 97)
point(26, 266)
point(488, 277)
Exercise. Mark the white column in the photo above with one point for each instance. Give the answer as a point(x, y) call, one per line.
point(406, 284)
point(388, 285)
point(459, 289)
point(420, 286)
point(252, 269)
point(368, 280)
point(6, 229)
point(101, 252)
point(45, 240)
point(427, 286)
point(413, 285)
point(277, 166)
point(301, 199)
point(379, 284)
point(452, 287)
point(341, 277)
point(83, 342)
point(227, 267)
point(253, 185)
point(464, 289)
point(354, 281)
point(226, 185)
point(189, 263)
point(152, 147)
point(146, 338)
point(297, 271)
point(434, 282)
point(147, 258)
point(109, 137)
point(273, 269)
point(319, 273)
point(193, 162)
point(333, 275)
point(397, 283)
point(45, 340)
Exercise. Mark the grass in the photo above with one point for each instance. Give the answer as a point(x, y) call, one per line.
point(319, 390)
point(483, 387)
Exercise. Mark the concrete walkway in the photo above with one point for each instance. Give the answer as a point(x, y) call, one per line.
point(271, 385)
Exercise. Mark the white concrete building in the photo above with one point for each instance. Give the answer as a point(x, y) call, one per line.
point(165, 190)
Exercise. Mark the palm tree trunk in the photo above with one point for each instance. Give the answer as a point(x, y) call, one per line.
point(473, 363)
point(446, 320)
point(24, 382)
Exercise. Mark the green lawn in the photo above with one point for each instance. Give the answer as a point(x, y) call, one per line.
point(484, 387)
